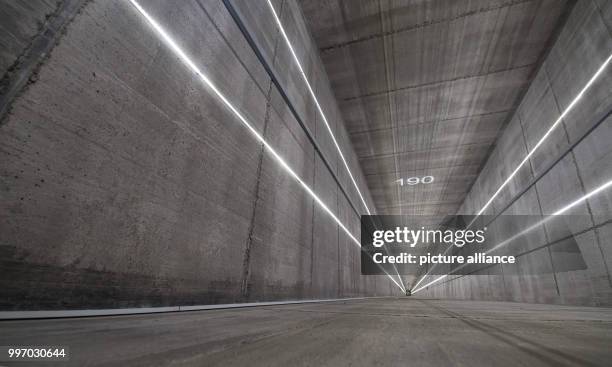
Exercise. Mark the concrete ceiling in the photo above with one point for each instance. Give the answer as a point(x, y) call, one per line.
point(425, 87)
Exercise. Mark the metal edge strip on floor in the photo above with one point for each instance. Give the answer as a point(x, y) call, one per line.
point(20, 315)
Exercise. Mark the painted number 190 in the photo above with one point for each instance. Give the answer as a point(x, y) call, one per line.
point(415, 180)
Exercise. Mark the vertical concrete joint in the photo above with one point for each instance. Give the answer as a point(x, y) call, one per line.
point(246, 259)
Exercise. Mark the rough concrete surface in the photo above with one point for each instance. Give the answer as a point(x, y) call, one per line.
point(126, 182)
point(372, 332)
point(573, 161)
point(425, 87)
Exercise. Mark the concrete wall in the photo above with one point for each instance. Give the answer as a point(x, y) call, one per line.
point(125, 183)
point(572, 162)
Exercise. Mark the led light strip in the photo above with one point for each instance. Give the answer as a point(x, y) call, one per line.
point(539, 143)
point(191, 65)
point(320, 109)
point(554, 125)
point(299, 65)
point(505, 242)
point(323, 116)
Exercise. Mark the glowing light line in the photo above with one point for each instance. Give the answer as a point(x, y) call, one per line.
point(299, 65)
point(539, 143)
point(319, 109)
point(191, 65)
point(554, 125)
point(505, 242)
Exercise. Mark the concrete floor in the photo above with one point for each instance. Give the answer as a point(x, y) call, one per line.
point(371, 332)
